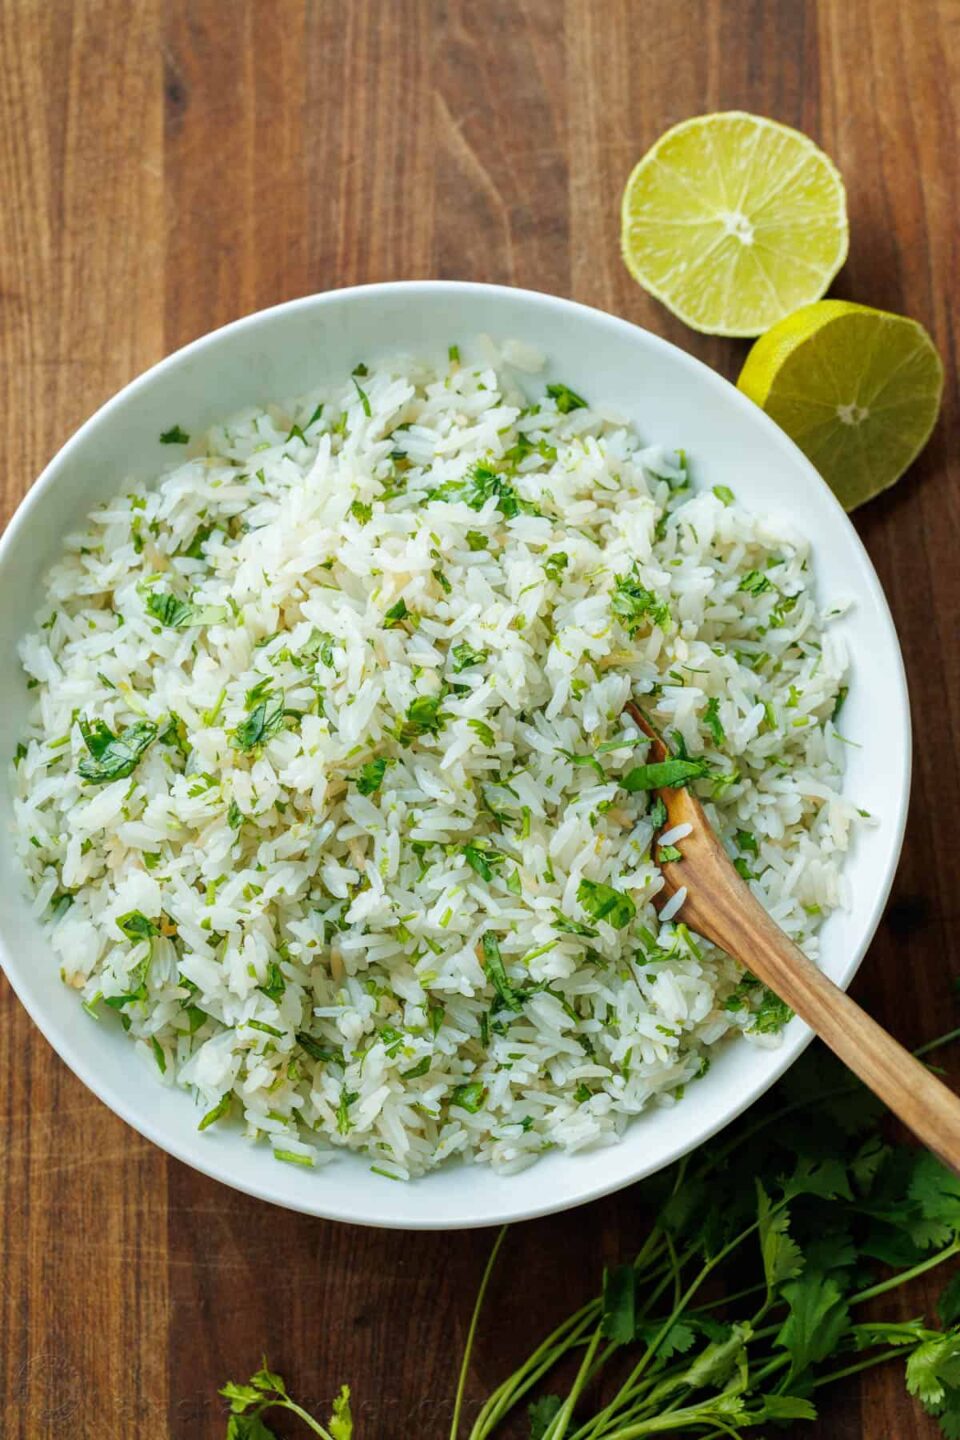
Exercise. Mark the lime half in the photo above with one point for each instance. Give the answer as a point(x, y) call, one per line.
point(733, 221)
point(857, 389)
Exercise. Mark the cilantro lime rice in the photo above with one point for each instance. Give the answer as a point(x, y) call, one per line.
point(323, 795)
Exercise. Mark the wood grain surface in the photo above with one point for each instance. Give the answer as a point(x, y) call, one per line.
point(168, 165)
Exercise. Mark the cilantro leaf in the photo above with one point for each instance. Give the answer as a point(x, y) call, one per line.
point(370, 775)
point(174, 436)
point(755, 583)
point(566, 399)
point(396, 615)
point(664, 774)
point(482, 859)
point(782, 1258)
point(113, 757)
point(711, 719)
point(619, 1316)
point(181, 614)
point(469, 1097)
point(465, 657)
point(497, 975)
point(423, 717)
point(541, 1414)
point(633, 603)
point(136, 926)
point(603, 902)
point(817, 1321)
point(264, 720)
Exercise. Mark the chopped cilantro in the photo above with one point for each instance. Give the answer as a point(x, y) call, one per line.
point(396, 615)
point(136, 926)
point(362, 511)
point(633, 603)
point(113, 757)
point(566, 399)
point(218, 1111)
point(554, 565)
point(603, 902)
point(664, 774)
point(465, 657)
point(724, 494)
point(755, 583)
point(483, 731)
point(264, 720)
point(423, 717)
point(370, 775)
point(469, 1097)
point(364, 398)
point(713, 722)
point(481, 858)
point(174, 436)
point(181, 614)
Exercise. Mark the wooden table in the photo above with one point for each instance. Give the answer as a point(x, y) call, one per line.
point(166, 166)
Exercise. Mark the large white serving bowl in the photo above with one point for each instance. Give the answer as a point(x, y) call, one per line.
point(672, 399)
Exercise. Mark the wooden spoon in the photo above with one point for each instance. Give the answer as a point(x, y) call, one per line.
point(720, 907)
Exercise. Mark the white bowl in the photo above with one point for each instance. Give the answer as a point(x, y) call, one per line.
point(672, 398)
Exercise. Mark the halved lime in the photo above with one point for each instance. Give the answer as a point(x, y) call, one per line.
point(733, 221)
point(858, 390)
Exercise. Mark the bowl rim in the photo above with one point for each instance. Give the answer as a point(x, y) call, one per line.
point(796, 1037)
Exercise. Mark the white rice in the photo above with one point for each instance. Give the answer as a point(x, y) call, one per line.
point(312, 958)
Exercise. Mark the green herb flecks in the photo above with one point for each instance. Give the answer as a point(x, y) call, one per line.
point(137, 926)
point(265, 719)
point(182, 614)
point(604, 902)
point(113, 757)
point(423, 717)
point(712, 721)
point(634, 605)
point(363, 397)
point(176, 435)
point(665, 774)
point(465, 657)
point(396, 615)
point(469, 1097)
point(566, 399)
point(755, 583)
point(370, 775)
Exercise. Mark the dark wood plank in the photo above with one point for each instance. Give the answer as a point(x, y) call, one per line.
point(169, 165)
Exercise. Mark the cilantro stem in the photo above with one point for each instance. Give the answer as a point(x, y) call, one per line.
point(557, 1428)
point(285, 1403)
point(947, 1039)
point(471, 1333)
point(534, 1368)
point(903, 1276)
point(548, 1353)
point(893, 1352)
point(623, 1396)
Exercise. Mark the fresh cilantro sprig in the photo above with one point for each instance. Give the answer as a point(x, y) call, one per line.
point(267, 1390)
point(787, 1216)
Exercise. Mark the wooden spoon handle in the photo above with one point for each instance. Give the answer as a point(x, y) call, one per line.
point(906, 1086)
